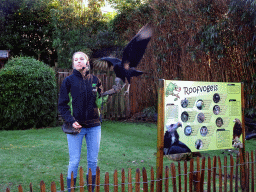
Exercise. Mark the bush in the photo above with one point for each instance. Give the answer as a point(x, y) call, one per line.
point(28, 94)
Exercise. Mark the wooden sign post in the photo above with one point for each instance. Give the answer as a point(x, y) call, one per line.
point(160, 135)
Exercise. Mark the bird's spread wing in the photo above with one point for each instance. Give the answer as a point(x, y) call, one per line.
point(106, 62)
point(135, 49)
point(132, 72)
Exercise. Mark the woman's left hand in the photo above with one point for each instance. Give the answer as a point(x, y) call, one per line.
point(76, 125)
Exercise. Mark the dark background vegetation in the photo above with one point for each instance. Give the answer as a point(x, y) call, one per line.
point(195, 40)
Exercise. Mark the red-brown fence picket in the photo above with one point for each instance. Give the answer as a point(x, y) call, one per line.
point(174, 177)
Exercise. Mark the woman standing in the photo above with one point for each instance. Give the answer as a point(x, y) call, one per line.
point(83, 88)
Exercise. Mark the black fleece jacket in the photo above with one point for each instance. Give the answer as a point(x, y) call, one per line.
point(85, 111)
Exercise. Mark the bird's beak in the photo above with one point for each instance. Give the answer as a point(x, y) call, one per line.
point(179, 124)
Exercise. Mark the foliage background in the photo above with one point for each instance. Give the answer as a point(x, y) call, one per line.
point(202, 40)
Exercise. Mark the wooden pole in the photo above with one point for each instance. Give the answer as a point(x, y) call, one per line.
point(242, 150)
point(160, 133)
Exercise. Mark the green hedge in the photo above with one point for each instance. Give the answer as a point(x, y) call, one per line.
point(28, 94)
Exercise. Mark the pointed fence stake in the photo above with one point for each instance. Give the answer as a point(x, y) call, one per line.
point(81, 179)
point(231, 172)
point(129, 180)
point(123, 180)
point(152, 184)
point(202, 175)
point(106, 187)
point(252, 168)
point(191, 175)
point(53, 187)
point(173, 177)
point(166, 183)
point(214, 173)
point(72, 182)
point(42, 186)
point(225, 174)
point(97, 187)
point(137, 178)
point(89, 184)
point(145, 180)
point(20, 188)
point(62, 188)
point(115, 181)
point(209, 173)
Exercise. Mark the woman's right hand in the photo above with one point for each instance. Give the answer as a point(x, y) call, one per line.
point(76, 125)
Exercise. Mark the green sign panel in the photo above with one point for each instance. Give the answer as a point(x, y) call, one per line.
point(206, 110)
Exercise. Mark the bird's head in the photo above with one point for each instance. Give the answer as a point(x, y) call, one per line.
point(173, 127)
point(236, 120)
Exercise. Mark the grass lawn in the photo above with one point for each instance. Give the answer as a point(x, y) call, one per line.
point(42, 154)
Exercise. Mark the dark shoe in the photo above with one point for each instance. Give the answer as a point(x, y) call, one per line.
point(93, 181)
point(69, 184)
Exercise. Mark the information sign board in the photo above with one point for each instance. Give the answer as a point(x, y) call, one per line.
point(206, 110)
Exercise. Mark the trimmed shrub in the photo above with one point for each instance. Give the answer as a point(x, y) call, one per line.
point(28, 94)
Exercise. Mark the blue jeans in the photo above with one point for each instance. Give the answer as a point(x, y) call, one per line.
point(92, 136)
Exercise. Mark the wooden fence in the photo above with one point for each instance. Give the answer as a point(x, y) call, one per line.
point(195, 175)
point(118, 105)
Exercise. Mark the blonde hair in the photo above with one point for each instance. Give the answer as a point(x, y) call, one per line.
point(79, 52)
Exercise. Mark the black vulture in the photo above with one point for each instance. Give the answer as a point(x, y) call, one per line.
point(172, 145)
point(132, 54)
